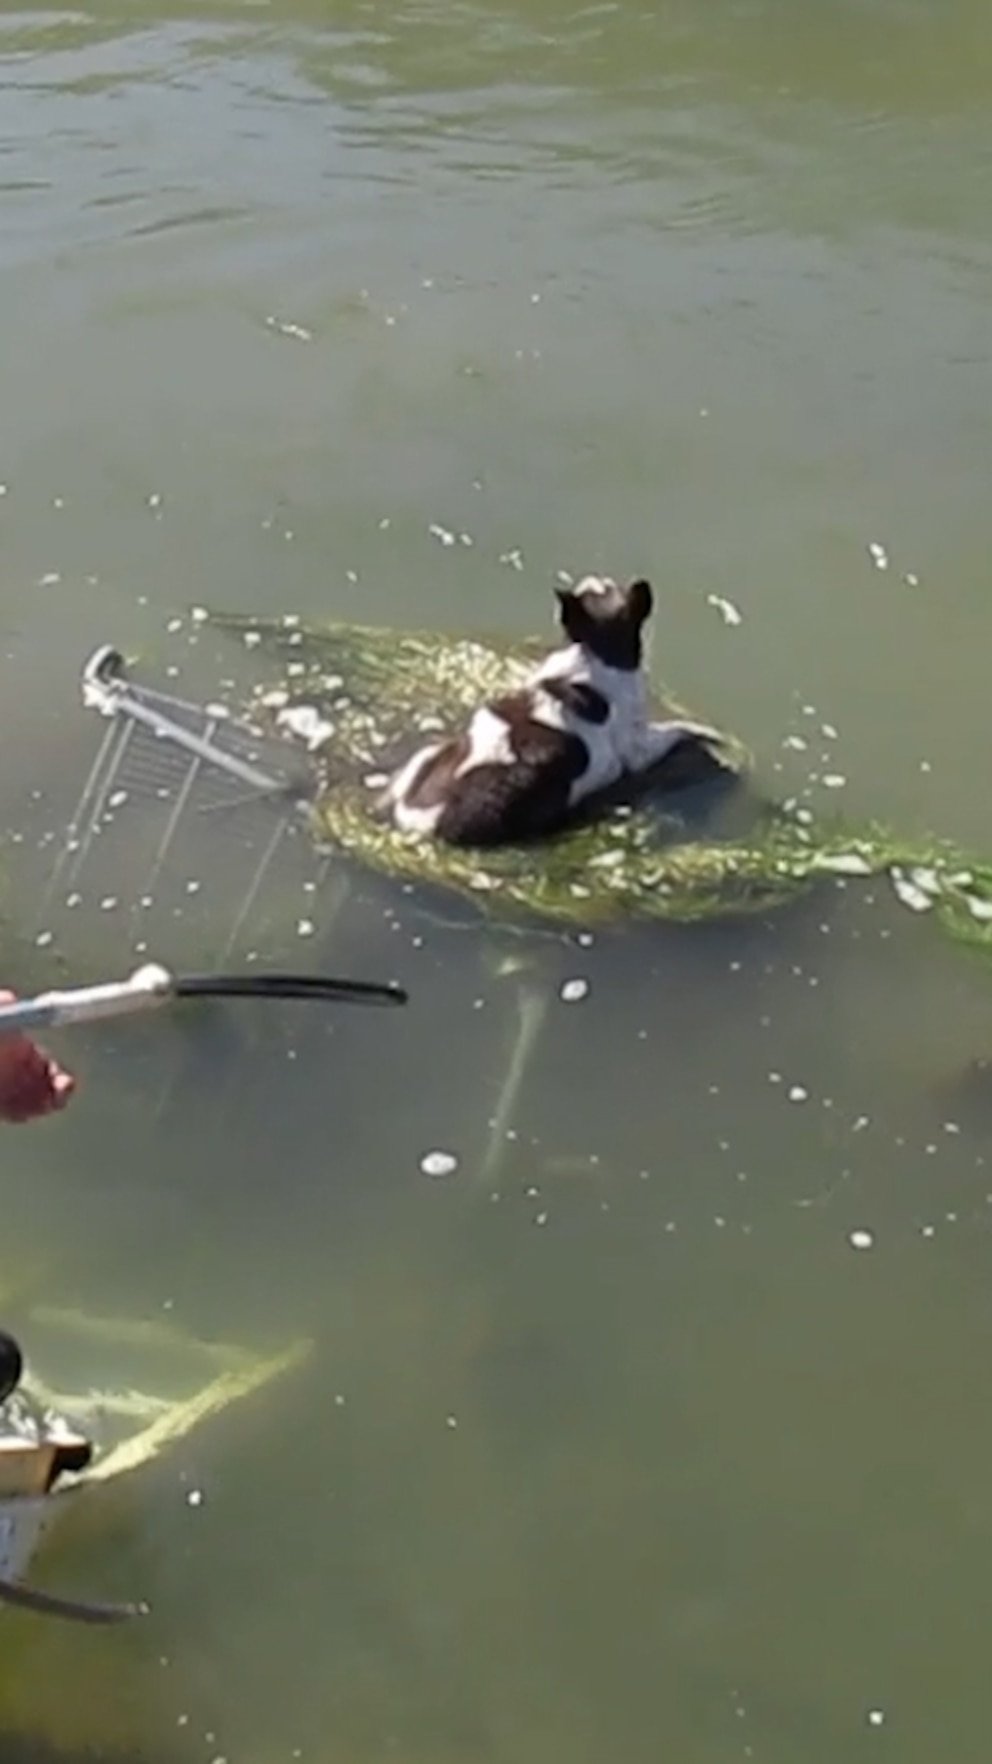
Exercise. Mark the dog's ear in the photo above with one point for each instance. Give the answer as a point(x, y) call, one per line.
point(640, 599)
point(568, 609)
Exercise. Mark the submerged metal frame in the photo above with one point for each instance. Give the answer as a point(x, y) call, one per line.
point(215, 744)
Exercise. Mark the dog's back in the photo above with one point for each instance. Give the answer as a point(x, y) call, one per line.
point(510, 778)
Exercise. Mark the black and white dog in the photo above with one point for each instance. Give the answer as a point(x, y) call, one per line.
point(529, 758)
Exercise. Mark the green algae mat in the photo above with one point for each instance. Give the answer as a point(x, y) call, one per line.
point(654, 854)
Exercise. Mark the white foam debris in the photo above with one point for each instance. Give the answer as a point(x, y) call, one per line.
point(833, 780)
point(117, 799)
point(439, 1163)
point(845, 863)
point(43, 939)
point(305, 928)
point(798, 743)
point(306, 722)
point(909, 889)
point(199, 615)
point(798, 1094)
point(465, 539)
point(878, 554)
point(729, 613)
point(173, 626)
point(876, 1718)
point(451, 1421)
point(275, 699)
point(73, 900)
point(252, 639)
point(155, 499)
point(828, 730)
point(514, 558)
point(49, 580)
point(573, 991)
point(911, 580)
point(108, 903)
point(861, 1240)
point(195, 1497)
point(979, 909)
point(441, 534)
point(287, 328)
point(193, 887)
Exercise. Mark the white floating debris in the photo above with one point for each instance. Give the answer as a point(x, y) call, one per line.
point(275, 699)
point(876, 1718)
point(513, 558)
point(909, 891)
point(845, 863)
point(465, 539)
point(49, 580)
point(306, 722)
point(910, 580)
point(798, 743)
point(117, 799)
point(43, 939)
point(441, 534)
point(729, 613)
point(878, 554)
point(199, 615)
point(73, 900)
point(108, 903)
point(252, 639)
point(833, 780)
point(174, 625)
point(979, 909)
point(828, 730)
point(287, 328)
point(305, 928)
point(861, 1240)
point(573, 991)
point(195, 1497)
point(155, 499)
point(451, 1421)
point(798, 1094)
point(439, 1163)
point(193, 887)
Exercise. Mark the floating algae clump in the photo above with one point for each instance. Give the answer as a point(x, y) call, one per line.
point(375, 693)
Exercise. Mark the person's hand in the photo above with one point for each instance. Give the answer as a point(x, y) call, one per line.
point(31, 1084)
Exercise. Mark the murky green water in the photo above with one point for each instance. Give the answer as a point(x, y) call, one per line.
point(611, 1446)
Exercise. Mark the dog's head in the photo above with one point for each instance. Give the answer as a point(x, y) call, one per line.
point(606, 619)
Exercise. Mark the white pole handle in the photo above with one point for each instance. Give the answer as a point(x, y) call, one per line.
point(147, 988)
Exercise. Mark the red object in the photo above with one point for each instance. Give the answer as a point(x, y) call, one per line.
point(31, 1084)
